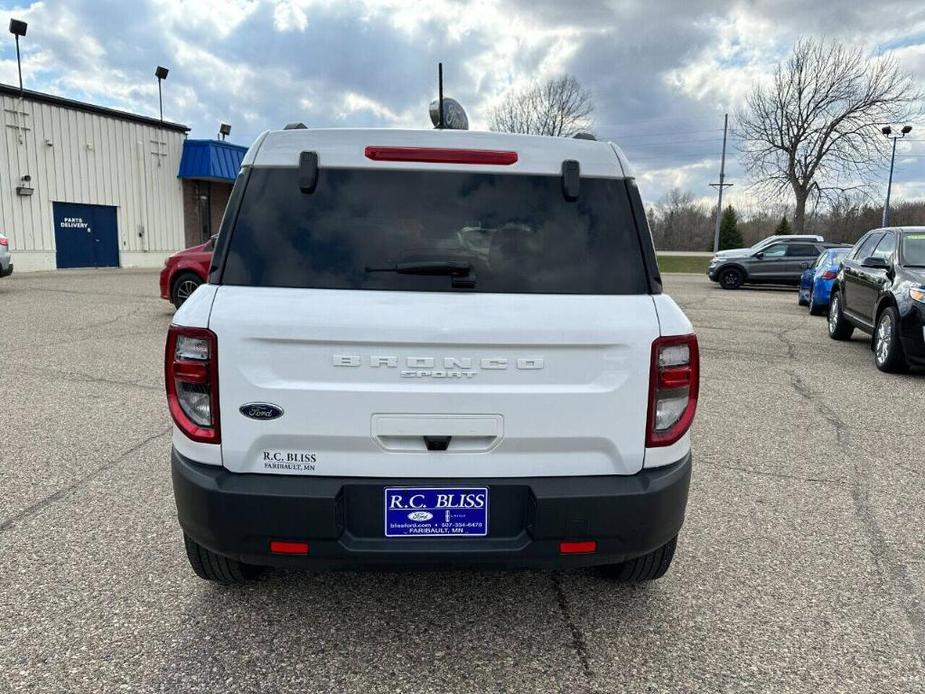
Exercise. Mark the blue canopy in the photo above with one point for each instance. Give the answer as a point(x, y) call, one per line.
point(211, 160)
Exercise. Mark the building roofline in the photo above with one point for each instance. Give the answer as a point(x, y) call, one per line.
point(42, 97)
point(219, 143)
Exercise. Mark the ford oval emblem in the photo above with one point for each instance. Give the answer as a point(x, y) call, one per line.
point(261, 410)
point(420, 516)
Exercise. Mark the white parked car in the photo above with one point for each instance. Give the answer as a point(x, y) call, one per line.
point(431, 348)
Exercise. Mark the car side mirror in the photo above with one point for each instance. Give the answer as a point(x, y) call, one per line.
point(759, 254)
point(875, 263)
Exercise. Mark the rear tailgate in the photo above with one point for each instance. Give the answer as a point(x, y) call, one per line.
point(525, 385)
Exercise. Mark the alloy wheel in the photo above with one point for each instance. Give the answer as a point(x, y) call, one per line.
point(884, 338)
point(185, 288)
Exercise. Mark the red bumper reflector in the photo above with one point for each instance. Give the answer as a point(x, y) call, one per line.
point(279, 547)
point(442, 155)
point(586, 547)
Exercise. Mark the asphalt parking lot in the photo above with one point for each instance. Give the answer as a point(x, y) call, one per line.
point(801, 566)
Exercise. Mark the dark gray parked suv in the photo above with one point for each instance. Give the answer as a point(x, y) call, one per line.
point(779, 263)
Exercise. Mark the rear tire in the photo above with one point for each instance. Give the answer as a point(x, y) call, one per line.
point(888, 350)
point(648, 567)
point(731, 278)
point(183, 285)
point(839, 327)
point(214, 567)
point(814, 308)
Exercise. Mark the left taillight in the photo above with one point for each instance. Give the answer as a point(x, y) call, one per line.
point(191, 378)
point(674, 382)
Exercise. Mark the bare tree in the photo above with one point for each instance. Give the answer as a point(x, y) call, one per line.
point(680, 223)
point(815, 128)
point(559, 106)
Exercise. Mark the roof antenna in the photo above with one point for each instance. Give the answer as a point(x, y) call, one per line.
point(442, 123)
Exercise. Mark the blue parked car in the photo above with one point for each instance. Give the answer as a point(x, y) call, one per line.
point(816, 281)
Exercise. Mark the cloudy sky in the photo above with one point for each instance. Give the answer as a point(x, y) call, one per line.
point(662, 72)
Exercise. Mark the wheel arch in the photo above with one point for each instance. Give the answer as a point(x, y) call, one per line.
point(183, 269)
point(732, 266)
point(883, 302)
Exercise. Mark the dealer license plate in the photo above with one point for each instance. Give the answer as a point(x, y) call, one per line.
point(436, 512)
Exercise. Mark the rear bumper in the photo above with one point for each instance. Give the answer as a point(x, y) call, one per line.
point(164, 283)
point(6, 271)
point(822, 292)
point(237, 515)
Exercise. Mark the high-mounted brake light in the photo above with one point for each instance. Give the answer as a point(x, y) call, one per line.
point(191, 379)
point(442, 155)
point(674, 382)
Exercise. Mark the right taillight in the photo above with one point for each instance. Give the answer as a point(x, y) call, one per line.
point(4, 241)
point(674, 381)
point(829, 275)
point(191, 375)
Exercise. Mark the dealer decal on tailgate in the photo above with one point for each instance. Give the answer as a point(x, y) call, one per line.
point(430, 512)
point(289, 461)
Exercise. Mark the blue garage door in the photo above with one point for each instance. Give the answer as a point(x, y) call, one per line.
point(86, 235)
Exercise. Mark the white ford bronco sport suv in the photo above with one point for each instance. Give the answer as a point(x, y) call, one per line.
point(431, 348)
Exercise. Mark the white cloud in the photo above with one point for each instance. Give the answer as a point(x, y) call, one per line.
point(290, 15)
point(218, 18)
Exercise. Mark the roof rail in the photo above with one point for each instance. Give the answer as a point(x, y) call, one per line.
point(295, 126)
point(584, 136)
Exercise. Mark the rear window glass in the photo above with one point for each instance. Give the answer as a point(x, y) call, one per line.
point(517, 233)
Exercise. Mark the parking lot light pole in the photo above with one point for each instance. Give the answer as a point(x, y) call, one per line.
point(18, 28)
point(888, 132)
point(161, 74)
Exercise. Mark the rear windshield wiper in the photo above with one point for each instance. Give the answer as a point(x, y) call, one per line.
point(459, 270)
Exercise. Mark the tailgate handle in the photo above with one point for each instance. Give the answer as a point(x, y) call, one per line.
point(439, 432)
point(437, 443)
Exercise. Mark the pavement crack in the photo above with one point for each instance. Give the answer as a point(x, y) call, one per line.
point(785, 338)
point(779, 475)
point(579, 644)
point(889, 565)
point(76, 484)
point(81, 377)
point(830, 415)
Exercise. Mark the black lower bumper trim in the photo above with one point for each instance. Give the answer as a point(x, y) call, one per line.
point(236, 515)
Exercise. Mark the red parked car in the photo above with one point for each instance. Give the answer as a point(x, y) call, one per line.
point(184, 271)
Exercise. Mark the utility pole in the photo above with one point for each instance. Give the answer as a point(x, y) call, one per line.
point(722, 184)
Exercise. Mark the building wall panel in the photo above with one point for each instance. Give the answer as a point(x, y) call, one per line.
point(81, 157)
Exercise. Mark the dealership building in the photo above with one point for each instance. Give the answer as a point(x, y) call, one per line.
point(86, 186)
